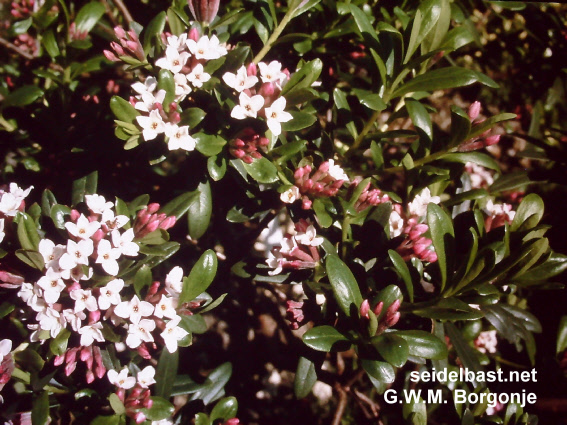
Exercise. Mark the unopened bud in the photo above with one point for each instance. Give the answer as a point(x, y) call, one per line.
point(364, 309)
point(119, 31)
point(474, 110)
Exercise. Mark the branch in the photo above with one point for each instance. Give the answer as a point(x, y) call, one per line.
point(341, 406)
point(16, 49)
point(120, 4)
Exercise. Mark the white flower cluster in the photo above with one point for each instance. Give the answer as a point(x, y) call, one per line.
point(261, 100)
point(10, 202)
point(418, 207)
point(144, 378)
point(184, 57)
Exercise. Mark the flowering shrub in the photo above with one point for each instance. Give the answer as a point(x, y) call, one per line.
point(302, 147)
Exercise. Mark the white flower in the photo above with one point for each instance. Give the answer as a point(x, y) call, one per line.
point(275, 262)
point(173, 60)
point(487, 342)
point(336, 171)
point(77, 273)
point(275, 115)
point(148, 100)
point(77, 253)
point(206, 48)
point(152, 125)
point(147, 86)
point(179, 137)
point(272, 72)
point(166, 307)
point(173, 333)
point(83, 229)
point(162, 422)
point(494, 210)
point(2, 234)
point(110, 294)
point(198, 76)
point(291, 195)
point(140, 332)
point(182, 89)
point(178, 43)
point(174, 281)
point(239, 81)
point(146, 377)
point(97, 203)
point(124, 242)
point(74, 318)
point(396, 224)
point(91, 333)
point(5, 348)
point(121, 380)
point(113, 221)
point(107, 257)
point(50, 320)
point(309, 238)
point(83, 299)
point(249, 106)
point(134, 309)
point(10, 201)
point(418, 207)
point(51, 253)
point(52, 285)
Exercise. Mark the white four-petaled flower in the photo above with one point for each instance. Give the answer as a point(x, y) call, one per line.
point(110, 294)
point(249, 106)
point(179, 137)
point(83, 229)
point(121, 380)
point(275, 115)
point(239, 81)
point(152, 125)
point(107, 257)
point(146, 377)
point(134, 309)
point(172, 334)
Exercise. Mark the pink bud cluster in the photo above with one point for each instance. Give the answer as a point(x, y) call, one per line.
point(295, 314)
point(129, 46)
point(148, 220)
point(22, 9)
point(75, 34)
point(320, 184)
point(478, 142)
point(27, 43)
point(137, 399)
point(389, 319)
point(415, 244)
point(246, 144)
point(299, 251)
point(369, 197)
point(91, 356)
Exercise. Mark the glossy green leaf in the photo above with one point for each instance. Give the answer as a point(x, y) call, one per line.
point(209, 144)
point(363, 22)
point(415, 411)
point(457, 38)
point(305, 377)
point(216, 165)
point(436, 36)
point(465, 352)
point(116, 404)
point(325, 219)
point(487, 124)
point(166, 373)
point(225, 409)
point(122, 109)
point(22, 96)
point(387, 296)
point(326, 338)
point(450, 309)
point(142, 279)
point(562, 335)
point(200, 278)
point(58, 345)
point(381, 371)
point(419, 116)
point(161, 409)
point(553, 266)
point(217, 380)
point(88, 16)
point(50, 43)
point(304, 77)
point(153, 30)
point(167, 83)
point(394, 349)
point(200, 210)
point(442, 236)
point(32, 258)
point(262, 170)
point(439, 79)
point(21, 27)
point(345, 287)
point(27, 232)
point(40, 409)
point(370, 100)
point(299, 121)
point(460, 126)
point(531, 205)
point(423, 344)
point(510, 181)
point(107, 420)
point(84, 186)
point(179, 205)
point(425, 19)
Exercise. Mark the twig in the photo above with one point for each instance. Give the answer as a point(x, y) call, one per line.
point(109, 13)
point(341, 406)
point(120, 4)
point(16, 49)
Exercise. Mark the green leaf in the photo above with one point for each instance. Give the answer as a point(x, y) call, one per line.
point(217, 167)
point(381, 371)
point(439, 79)
point(510, 181)
point(116, 404)
point(161, 409)
point(419, 116)
point(394, 349)
point(325, 219)
point(225, 409)
point(88, 16)
point(179, 205)
point(218, 379)
point(201, 276)
point(166, 373)
point(299, 121)
point(153, 30)
point(40, 409)
point(107, 420)
point(553, 266)
point(27, 232)
point(442, 236)
point(387, 296)
point(402, 270)
point(200, 211)
point(326, 338)
point(460, 126)
point(457, 38)
point(423, 344)
point(166, 82)
point(465, 352)
point(487, 124)
point(209, 144)
point(31, 258)
point(50, 43)
point(562, 335)
point(531, 205)
point(304, 77)
point(175, 22)
point(47, 202)
point(202, 419)
point(370, 100)
point(305, 377)
point(84, 186)
point(476, 157)
point(450, 309)
point(262, 170)
point(362, 22)
point(22, 96)
point(142, 279)
point(123, 110)
point(192, 117)
point(58, 345)
point(345, 287)
point(425, 19)
point(434, 38)
point(21, 27)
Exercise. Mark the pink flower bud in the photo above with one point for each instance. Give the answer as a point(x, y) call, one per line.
point(306, 203)
point(168, 223)
point(153, 208)
point(132, 45)
point(58, 360)
point(94, 316)
point(364, 309)
point(491, 140)
point(85, 353)
point(133, 36)
point(143, 351)
point(90, 376)
point(110, 56)
point(233, 421)
point(119, 31)
point(251, 70)
point(194, 34)
point(71, 355)
point(148, 403)
point(70, 368)
point(474, 110)
point(139, 417)
point(393, 319)
point(204, 10)
point(75, 215)
point(378, 308)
